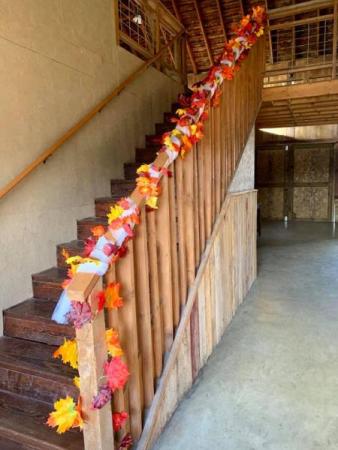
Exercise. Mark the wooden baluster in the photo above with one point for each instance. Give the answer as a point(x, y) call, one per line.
point(196, 206)
point(201, 194)
point(181, 229)
point(143, 309)
point(206, 146)
point(157, 326)
point(163, 238)
point(174, 249)
point(218, 160)
point(92, 354)
point(188, 196)
point(128, 326)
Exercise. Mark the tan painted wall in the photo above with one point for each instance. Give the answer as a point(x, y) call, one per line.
point(58, 58)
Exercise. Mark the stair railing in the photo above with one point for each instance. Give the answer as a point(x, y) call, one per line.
point(158, 274)
point(177, 44)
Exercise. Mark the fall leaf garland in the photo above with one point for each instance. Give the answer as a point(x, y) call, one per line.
point(107, 245)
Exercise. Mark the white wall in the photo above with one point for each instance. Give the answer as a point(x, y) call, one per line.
point(58, 59)
point(244, 179)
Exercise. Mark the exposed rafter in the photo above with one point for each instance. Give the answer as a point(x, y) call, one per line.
point(189, 50)
point(220, 13)
point(207, 46)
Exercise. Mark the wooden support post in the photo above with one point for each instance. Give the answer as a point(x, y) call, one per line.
point(164, 261)
point(129, 338)
point(156, 316)
point(92, 351)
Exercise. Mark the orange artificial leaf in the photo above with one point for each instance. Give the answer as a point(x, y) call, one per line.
point(98, 231)
point(112, 294)
point(76, 382)
point(66, 415)
point(68, 353)
point(65, 254)
point(113, 343)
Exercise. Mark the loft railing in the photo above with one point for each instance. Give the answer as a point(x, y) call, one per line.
point(302, 50)
point(157, 275)
point(145, 26)
point(176, 47)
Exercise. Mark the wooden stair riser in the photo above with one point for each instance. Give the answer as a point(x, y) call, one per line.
point(18, 381)
point(85, 226)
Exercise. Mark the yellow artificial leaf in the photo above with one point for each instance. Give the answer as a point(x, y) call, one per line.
point(115, 212)
point(66, 415)
point(144, 168)
point(68, 353)
point(152, 202)
point(113, 343)
point(76, 382)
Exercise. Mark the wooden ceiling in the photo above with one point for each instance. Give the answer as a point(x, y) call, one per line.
point(301, 48)
point(209, 23)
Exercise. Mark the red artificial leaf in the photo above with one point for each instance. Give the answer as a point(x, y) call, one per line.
point(119, 419)
point(102, 398)
point(109, 249)
point(80, 314)
point(89, 246)
point(126, 442)
point(116, 372)
point(101, 300)
point(128, 230)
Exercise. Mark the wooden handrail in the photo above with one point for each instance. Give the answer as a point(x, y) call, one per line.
point(85, 119)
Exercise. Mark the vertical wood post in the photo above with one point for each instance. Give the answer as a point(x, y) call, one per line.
point(92, 354)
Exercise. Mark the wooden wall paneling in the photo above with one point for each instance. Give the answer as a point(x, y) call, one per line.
point(155, 306)
point(212, 164)
point(181, 230)
point(163, 239)
point(195, 341)
point(201, 298)
point(184, 366)
point(174, 249)
point(219, 286)
point(145, 335)
point(128, 326)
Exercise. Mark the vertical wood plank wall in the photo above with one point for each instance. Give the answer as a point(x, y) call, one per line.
point(227, 276)
point(163, 330)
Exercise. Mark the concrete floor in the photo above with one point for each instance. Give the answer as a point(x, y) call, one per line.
point(272, 382)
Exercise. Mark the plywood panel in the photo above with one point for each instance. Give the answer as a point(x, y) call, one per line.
point(271, 201)
point(311, 203)
point(311, 165)
point(270, 166)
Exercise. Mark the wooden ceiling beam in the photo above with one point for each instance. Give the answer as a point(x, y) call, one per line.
point(300, 91)
point(296, 23)
point(199, 18)
point(298, 8)
point(189, 49)
point(221, 18)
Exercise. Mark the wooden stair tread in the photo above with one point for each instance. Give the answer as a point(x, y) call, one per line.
point(85, 225)
point(31, 320)
point(22, 425)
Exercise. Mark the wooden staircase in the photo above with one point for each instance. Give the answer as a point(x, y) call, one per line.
point(30, 379)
